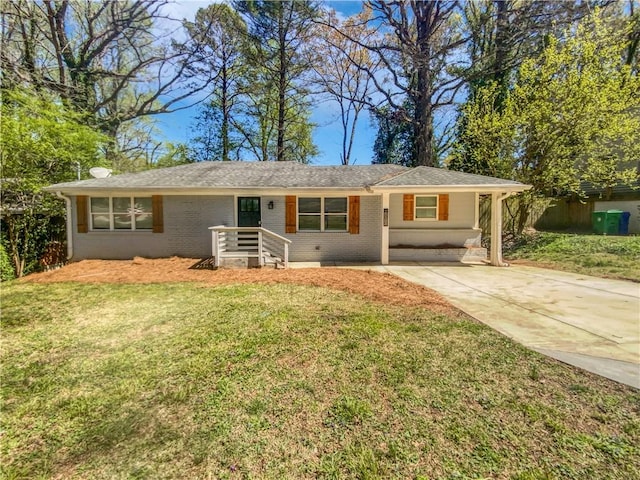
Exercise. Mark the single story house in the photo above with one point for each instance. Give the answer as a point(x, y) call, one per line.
point(287, 210)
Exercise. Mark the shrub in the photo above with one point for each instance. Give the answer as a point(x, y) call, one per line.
point(6, 268)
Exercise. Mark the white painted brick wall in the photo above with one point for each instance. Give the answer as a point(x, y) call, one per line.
point(330, 246)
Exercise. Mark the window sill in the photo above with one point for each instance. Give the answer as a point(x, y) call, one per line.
point(126, 232)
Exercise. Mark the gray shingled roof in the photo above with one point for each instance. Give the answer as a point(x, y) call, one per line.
point(278, 175)
point(429, 176)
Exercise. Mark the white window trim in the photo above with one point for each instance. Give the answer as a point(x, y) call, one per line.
point(321, 214)
point(111, 215)
point(415, 208)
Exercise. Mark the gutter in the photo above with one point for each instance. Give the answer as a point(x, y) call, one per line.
point(69, 225)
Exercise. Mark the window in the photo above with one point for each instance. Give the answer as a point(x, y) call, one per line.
point(322, 214)
point(426, 207)
point(121, 213)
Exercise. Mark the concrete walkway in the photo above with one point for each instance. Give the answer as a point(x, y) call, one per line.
point(589, 322)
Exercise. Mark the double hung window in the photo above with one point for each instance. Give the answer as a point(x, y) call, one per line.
point(426, 207)
point(121, 213)
point(322, 214)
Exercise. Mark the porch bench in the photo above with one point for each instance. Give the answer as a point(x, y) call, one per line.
point(429, 238)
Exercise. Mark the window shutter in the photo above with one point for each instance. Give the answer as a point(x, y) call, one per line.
point(354, 215)
point(407, 209)
point(443, 206)
point(82, 214)
point(290, 214)
point(157, 214)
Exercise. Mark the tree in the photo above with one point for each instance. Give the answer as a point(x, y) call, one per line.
point(111, 60)
point(418, 45)
point(337, 72)
point(503, 33)
point(394, 141)
point(42, 142)
point(221, 32)
point(572, 115)
point(278, 36)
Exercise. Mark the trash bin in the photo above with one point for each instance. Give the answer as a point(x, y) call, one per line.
point(623, 228)
point(609, 222)
point(598, 222)
point(612, 222)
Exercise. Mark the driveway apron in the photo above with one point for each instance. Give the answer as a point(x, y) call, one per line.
point(588, 322)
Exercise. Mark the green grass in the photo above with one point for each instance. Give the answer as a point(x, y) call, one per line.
point(284, 381)
point(598, 255)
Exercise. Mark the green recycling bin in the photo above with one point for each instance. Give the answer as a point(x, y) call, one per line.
point(607, 223)
point(598, 222)
point(612, 222)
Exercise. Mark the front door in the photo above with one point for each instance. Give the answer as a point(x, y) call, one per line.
point(249, 212)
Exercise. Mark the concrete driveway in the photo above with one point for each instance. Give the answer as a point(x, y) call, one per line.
point(589, 322)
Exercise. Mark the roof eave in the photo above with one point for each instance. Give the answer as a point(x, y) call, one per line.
point(451, 188)
point(204, 190)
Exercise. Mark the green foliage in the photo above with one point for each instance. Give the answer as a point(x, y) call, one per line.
point(6, 268)
point(276, 97)
point(572, 115)
point(597, 255)
point(41, 143)
point(222, 35)
point(395, 137)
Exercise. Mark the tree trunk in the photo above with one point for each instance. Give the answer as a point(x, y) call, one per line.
point(224, 128)
point(423, 117)
point(282, 84)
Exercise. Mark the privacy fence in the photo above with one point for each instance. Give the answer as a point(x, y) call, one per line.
point(556, 214)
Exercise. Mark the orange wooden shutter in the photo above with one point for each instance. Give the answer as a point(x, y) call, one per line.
point(407, 209)
point(82, 214)
point(443, 206)
point(157, 214)
point(354, 215)
point(290, 214)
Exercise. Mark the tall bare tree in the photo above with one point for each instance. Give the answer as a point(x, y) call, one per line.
point(344, 71)
point(112, 60)
point(418, 45)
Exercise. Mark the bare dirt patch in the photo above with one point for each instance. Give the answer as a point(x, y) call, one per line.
point(376, 286)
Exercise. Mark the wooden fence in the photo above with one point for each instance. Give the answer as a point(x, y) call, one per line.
point(549, 214)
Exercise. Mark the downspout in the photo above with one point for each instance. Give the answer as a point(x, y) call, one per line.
point(69, 225)
point(496, 229)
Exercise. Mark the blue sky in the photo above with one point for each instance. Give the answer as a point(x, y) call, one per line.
point(176, 127)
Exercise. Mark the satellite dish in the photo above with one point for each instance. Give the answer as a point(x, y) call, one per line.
point(99, 172)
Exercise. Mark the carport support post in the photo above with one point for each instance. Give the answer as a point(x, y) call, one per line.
point(496, 228)
point(384, 254)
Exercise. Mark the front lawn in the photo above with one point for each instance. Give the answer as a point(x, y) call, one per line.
point(182, 380)
point(598, 255)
